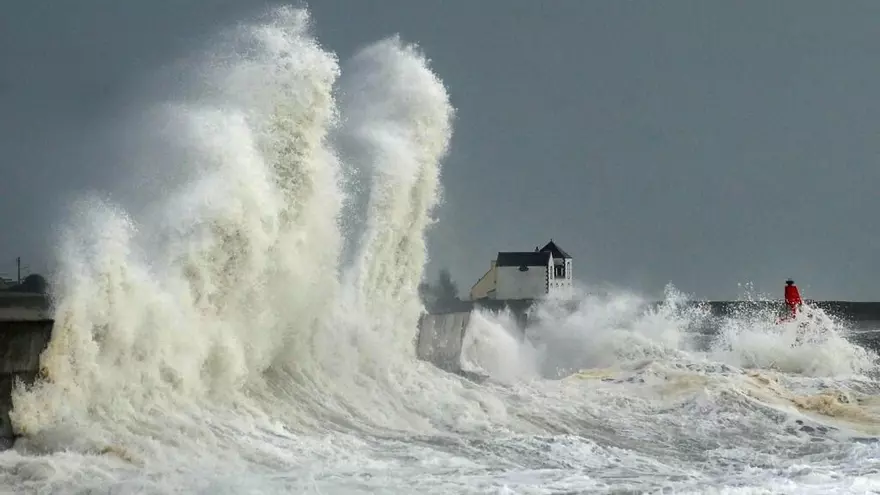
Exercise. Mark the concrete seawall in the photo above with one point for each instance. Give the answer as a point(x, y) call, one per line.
point(25, 330)
point(440, 339)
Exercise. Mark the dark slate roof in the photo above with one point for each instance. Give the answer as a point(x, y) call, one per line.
point(526, 258)
point(551, 247)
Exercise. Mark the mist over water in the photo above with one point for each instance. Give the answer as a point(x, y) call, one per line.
point(252, 331)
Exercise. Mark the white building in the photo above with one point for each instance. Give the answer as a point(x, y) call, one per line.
point(526, 275)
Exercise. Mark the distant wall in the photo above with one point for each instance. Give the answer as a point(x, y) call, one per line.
point(25, 330)
point(441, 335)
point(846, 310)
point(23, 300)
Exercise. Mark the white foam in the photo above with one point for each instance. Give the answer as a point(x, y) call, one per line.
point(813, 344)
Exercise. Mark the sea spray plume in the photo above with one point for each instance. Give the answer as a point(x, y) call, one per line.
point(399, 117)
point(233, 291)
point(247, 258)
point(286, 89)
point(220, 231)
point(813, 344)
point(493, 346)
point(397, 124)
point(269, 253)
point(608, 330)
point(117, 343)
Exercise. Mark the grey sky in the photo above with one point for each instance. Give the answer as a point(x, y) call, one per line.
point(700, 143)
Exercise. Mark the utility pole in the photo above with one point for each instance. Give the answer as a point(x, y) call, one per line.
point(18, 263)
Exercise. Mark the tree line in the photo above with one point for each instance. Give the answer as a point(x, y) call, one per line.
point(441, 295)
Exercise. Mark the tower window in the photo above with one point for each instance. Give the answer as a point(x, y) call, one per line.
point(559, 271)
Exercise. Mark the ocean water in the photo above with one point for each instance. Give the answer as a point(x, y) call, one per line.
point(252, 329)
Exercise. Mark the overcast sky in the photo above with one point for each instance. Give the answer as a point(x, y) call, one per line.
point(706, 144)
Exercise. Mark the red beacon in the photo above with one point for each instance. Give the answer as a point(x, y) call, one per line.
point(792, 297)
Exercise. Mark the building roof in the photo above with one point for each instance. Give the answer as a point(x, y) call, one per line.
point(526, 258)
point(551, 247)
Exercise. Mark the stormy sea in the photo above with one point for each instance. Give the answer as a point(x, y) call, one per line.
point(250, 327)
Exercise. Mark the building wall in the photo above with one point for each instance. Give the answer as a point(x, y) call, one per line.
point(511, 283)
point(485, 286)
